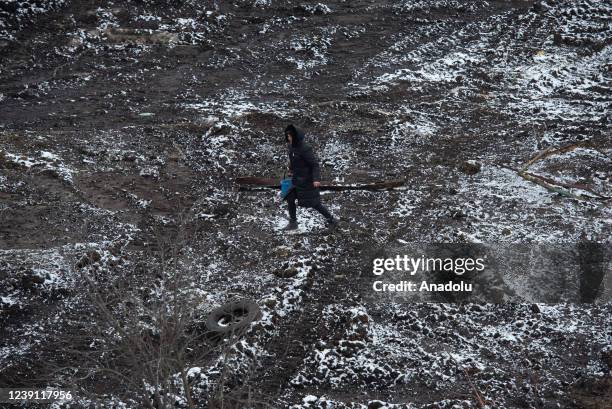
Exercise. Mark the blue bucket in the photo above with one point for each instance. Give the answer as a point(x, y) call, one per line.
point(285, 187)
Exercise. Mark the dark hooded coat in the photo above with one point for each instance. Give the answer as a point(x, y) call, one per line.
point(305, 168)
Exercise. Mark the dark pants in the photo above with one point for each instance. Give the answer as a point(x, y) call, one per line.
point(292, 197)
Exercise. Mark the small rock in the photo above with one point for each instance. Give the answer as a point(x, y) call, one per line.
point(506, 231)
point(36, 279)
point(115, 248)
point(286, 273)
point(129, 156)
point(270, 302)
point(52, 173)
point(90, 258)
point(94, 255)
point(470, 167)
point(458, 214)
point(83, 261)
point(534, 308)
point(222, 210)
point(363, 318)
point(29, 279)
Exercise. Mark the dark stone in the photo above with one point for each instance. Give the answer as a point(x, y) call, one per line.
point(470, 167)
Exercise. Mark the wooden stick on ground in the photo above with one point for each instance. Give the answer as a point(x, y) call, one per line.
point(555, 151)
point(253, 182)
point(564, 189)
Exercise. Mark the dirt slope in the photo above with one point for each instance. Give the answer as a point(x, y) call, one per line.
point(124, 123)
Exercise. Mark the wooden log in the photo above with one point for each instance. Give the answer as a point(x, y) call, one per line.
point(564, 189)
point(250, 182)
point(556, 151)
point(554, 183)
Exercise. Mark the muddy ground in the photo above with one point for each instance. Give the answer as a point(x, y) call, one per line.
point(123, 125)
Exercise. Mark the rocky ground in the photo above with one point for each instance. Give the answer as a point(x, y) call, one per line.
point(124, 123)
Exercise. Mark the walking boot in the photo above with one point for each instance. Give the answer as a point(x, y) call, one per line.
point(292, 225)
point(332, 224)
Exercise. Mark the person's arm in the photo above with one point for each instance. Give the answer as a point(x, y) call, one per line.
point(312, 161)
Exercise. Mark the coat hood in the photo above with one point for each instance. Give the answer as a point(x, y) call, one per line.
point(299, 135)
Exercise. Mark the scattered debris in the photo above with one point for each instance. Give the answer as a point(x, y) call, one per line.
point(232, 319)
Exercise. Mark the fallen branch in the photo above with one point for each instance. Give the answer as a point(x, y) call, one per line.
point(555, 151)
point(545, 184)
point(578, 186)
point(540, 155)
point(564, 189)
point(253, 182)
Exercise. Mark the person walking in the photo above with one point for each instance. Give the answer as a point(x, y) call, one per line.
point(305, 175)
